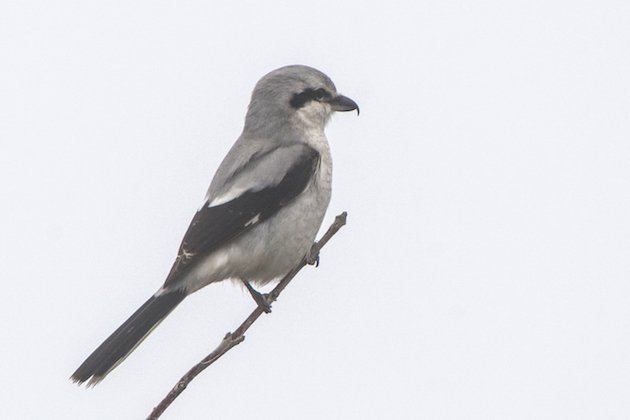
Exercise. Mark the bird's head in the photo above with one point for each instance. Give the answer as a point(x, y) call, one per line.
point(296, 94)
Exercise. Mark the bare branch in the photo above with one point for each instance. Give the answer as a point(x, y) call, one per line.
point(235, 338)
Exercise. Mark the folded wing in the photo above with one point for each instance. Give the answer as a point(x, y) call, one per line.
point(252, 195)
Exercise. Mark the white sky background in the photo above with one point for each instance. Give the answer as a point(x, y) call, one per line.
point(484, 272)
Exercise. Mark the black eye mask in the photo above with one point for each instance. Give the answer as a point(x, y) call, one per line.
point(300, 99)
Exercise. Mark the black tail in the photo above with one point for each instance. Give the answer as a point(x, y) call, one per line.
point(126, 338)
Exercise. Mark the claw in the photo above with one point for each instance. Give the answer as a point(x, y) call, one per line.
point(312, 259)
point(262, 300)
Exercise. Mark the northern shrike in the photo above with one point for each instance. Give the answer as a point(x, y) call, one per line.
point(262, 211)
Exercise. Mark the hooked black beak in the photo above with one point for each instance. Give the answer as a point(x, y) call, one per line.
point(343, 103)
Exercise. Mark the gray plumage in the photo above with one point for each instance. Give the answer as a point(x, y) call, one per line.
point(262, 210)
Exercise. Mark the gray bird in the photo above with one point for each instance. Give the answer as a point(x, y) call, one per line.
point(261, 213)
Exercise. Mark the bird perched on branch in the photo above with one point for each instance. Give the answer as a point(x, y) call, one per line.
point(261, 213)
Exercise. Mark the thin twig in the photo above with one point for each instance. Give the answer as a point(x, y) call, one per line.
point(235, 338)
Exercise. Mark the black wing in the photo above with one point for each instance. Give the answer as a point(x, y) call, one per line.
point(213, 226)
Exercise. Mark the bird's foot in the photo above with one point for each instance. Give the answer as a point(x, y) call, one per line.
point(312, 259)
point(262, 299)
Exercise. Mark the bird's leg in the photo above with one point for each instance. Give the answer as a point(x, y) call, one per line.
point(312, 258)
point(262, 300)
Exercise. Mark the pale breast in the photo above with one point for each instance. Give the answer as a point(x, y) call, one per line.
point(272, 248)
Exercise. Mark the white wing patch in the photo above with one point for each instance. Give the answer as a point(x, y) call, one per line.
point(253, 220)
point(187, 255)
point(230, 195)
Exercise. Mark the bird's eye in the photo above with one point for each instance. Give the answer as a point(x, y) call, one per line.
point(320, 94)
point(298, 100)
